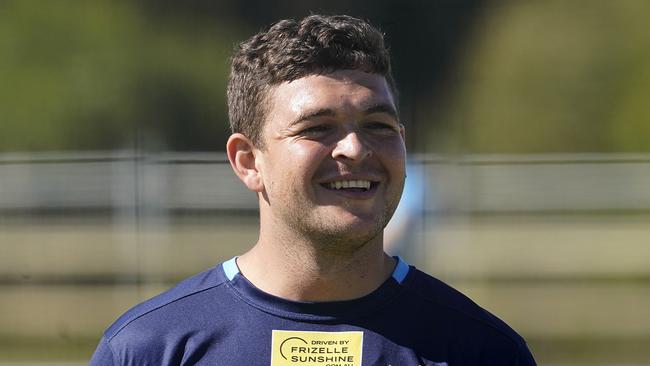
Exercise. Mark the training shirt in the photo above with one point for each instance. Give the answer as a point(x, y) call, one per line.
point(219, 318)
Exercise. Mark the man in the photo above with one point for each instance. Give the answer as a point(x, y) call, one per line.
point(316, 135)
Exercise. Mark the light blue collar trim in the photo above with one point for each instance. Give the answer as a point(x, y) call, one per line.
point(401, 270)
point(230, 268)
point(399, 274)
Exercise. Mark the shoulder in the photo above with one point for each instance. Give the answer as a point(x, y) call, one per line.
point(460, 316)
point(155, 331)
point(190, 292)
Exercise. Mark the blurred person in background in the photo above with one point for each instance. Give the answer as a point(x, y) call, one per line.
point(317, 136)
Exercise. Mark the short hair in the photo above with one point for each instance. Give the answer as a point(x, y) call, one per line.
point(290, 50)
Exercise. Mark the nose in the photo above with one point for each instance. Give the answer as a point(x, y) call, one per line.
point(351, 148)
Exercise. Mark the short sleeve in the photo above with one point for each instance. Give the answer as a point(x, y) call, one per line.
point(103, 355)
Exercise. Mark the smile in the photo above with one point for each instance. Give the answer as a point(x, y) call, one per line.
point(355, 185)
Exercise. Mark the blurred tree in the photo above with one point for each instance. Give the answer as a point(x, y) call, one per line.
point(554, 76)
point(541, 76)
point(94, 75)
point(151, 74)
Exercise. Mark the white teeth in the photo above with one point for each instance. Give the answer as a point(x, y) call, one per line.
point(365, 184)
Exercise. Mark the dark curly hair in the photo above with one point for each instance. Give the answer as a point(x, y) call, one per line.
point(292, 49)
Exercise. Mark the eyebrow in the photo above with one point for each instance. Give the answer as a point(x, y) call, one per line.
point(382, 108)
point(328, 112)
point(321, 112)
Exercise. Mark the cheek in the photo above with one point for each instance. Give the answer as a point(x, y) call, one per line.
point(396, 167)
point(305, 158)
point(392, 151)
point(291, 172)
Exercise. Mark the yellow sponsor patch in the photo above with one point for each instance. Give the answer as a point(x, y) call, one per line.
point(298, 348)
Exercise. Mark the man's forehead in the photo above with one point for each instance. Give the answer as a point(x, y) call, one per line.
point(366, 90)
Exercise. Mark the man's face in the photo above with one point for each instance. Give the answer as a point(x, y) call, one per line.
point(334, 156)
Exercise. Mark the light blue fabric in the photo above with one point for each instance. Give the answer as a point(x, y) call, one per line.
point(401, 270)
point(231, 269)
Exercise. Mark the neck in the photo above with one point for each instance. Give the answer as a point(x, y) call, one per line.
point(296, 268)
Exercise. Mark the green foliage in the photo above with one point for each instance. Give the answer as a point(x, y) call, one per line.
point(101, 74)
point(538, 76)
point(556, 76)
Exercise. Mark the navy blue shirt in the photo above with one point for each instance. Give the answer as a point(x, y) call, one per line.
point(219, 318)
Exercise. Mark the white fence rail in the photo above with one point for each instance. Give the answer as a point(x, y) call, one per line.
point(470, 184)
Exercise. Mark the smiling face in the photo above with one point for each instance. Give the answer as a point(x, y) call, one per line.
point(332, 166)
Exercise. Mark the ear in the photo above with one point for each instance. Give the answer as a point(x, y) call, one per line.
point(242, 155)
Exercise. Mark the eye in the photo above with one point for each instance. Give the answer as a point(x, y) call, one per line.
point(383, 127)
point(316, 130)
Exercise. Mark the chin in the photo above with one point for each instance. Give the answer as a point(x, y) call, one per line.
point(352, 231)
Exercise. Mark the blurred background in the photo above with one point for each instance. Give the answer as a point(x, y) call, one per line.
point(527, 123)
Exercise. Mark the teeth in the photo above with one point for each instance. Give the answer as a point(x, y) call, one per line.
point(365, 184)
